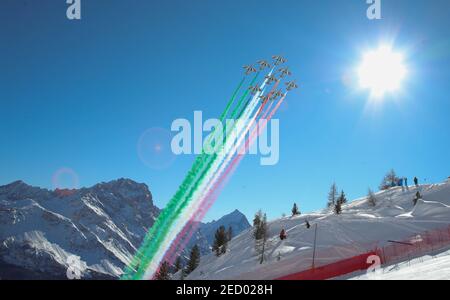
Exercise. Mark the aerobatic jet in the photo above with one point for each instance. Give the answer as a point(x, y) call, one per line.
point(263, 64)
point(279, 94)
point(271, 79)
point(278, 60)
point(284, 72)
point(264, 98)
point(249, 70)
point(254, 89)
point(291, 85)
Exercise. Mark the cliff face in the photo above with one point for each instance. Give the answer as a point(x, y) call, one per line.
point(103, 225)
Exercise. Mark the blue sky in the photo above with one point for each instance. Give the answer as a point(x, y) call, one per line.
point(79, 94)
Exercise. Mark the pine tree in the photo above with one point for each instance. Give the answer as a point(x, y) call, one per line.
point(230, 233)
point(178, 264)
point(338, 208)
point(163, 272)
point(260, 232)
point(389, 180)
point(371, 199)
point(332, 196)
point(194, 260)
point(295, 210)
point(260, 229)
point(257, 218)
point(342, 199)
point(220, 241)
point(263, 238)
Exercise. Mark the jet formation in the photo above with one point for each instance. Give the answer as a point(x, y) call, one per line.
point(281, 73)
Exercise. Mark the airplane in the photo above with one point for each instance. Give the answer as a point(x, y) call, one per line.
point(271, 79)
point(263, 64)
point(264, 98)
point(284, 72)
point(279, 60)
point(291, 85)
point(254, 89)
point(279, 94)
point(249, 70)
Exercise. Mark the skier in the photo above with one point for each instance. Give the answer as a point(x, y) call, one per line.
point(406, 182)
point(416, 181)
point(283, 235)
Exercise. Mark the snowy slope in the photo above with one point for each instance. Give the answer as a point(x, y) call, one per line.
point(427, 267)
point(359, 228)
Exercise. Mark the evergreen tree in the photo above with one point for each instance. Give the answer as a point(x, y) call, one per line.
point(230, 233)
point(260, 230)
point(371, 199)
point(389, 180)
point(220, 241)
point(194, 260)
point(295, 210)
point(342, 199)
point(257, 218)
point(332, 196)
point(178, 264)
point(263, 237)
point(338, 208)
point(163, 272)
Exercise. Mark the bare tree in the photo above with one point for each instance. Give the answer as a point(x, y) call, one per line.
point(389, 180)
point(371, 199)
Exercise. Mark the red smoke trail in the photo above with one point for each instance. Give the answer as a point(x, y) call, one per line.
point(183, 237)
point(190, 228)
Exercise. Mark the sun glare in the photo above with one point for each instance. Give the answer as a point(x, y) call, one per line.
point(381, 71)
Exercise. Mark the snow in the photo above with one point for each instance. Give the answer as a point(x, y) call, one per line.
point(102, 225)
point(360, 228)
point(40, 229)
point(427, 267)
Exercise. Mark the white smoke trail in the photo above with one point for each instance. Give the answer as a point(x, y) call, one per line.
point(219, 164)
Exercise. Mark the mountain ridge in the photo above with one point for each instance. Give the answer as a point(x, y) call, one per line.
point(103, 225)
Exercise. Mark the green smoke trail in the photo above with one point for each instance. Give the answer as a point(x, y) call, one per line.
point(164, 214)
point(208, 160)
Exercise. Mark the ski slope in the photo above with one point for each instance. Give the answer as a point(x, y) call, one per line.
point(360, 228)
point(427, 267)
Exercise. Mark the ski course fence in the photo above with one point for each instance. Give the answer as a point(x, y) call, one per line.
point(328, 266)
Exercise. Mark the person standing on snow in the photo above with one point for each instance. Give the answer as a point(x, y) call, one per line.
point(416, 181)
point(283, 235)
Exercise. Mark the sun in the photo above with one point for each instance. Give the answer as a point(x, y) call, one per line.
point(381, 71)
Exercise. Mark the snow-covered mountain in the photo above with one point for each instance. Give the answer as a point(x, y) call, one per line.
point(358, 229)
point(102, 225)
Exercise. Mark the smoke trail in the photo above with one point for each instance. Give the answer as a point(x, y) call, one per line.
point(132, 266)
point(187, 232)
point(216, 180)
point(151, 262)
point(159, 230)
